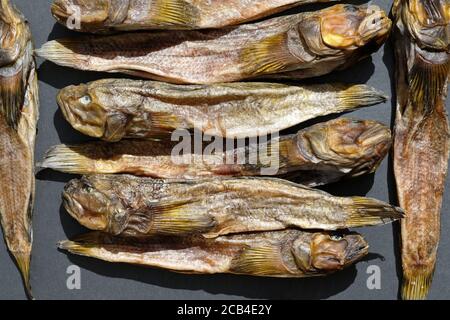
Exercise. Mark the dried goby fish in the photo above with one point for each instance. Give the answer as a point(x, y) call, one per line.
point(301, 45)
point(18, 117)
point(133, 206)
point(114, 109)
point(126, 15)
point(422, 46)
point(322, 153)
point(288, 253)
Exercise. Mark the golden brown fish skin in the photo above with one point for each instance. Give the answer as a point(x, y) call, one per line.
point(285, 254)
point(140, 207)
point(18, 118)
point(102, 16)
point(309, 44)
point(421, 147)
point(113, 109)
point(320, 154)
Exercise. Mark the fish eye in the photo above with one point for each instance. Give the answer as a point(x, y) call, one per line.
point(87, 188)
point(119, 215)
point(336, 237)
point(86, 100)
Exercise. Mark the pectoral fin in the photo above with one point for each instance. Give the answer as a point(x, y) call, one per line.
point(427, 83)
point(115, 128)
point(173, 13)
point(163, 122)
point(180, 218)
point(267, 56)
point(259, 261)
point(12, 95)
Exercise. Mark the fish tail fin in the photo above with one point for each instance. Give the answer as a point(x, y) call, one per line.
point(23, 264)
point(64, 52)
point(355, 96)
point(68, 159)
point(370, 212)
point(83, 243)
point(75, 247)
point(416, 287)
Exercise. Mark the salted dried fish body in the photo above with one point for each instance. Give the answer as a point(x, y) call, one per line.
point(308, 44)
point(320, 154)
point(100, 16)
point(421, 134)
point(113, 109)
point(18, 119)
point(140, 207)
point(287, 254)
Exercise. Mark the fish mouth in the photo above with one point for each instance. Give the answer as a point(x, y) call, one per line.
point(362, 145)
point(357, 248)
point(375, 26)
point(349, 137)
point(14, 34)
point(60, 10)
point(85, 116)
point(72, 206)
point(354, 146)
point(64, 98)
point(349, 27)
point(374, 143)
point(88, 12)
point(375, 134)
point(61, 99)
point(332, 252)
point(75, 196)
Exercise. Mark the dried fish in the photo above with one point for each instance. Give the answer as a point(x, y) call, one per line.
point(18, 117)
point(421, 133)
point(287, 254)
point(115, 109)
point(320, 154)
point(126, 15)
point(302, 45)
point(138, 207)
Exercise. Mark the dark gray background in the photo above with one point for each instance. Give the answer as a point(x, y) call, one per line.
point(100, 280)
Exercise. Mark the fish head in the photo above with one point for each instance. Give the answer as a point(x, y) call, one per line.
point(88, 204)
point(14, 33)
point(326, 252)
point(348, 27)
point(81, 14)
point(428, 22)
point(355, 147)
point(82, 107)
